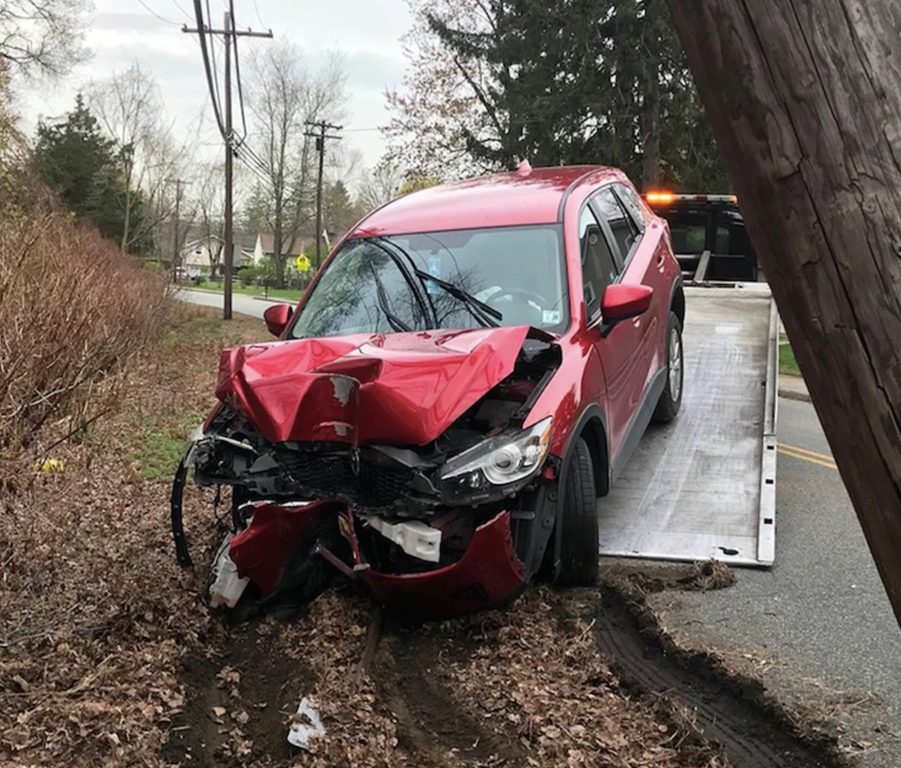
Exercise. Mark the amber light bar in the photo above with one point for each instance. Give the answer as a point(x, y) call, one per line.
point(665, 198)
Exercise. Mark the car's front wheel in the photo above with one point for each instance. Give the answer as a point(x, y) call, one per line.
point(671, 397)
point(579, 558)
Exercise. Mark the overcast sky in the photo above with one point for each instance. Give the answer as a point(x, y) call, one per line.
point(123, 31)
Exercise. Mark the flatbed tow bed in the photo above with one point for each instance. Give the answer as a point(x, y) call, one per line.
point(704, 486)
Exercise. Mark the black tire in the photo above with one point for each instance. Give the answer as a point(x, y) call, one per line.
point(579, 558)
point(671, 398)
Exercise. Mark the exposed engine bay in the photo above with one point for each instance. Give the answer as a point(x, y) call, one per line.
point(381, 458)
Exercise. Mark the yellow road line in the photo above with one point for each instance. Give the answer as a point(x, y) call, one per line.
point(807, 452)
point(784, 450)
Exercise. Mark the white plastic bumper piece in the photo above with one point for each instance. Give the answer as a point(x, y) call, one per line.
point(228, 586)
point(413, 536)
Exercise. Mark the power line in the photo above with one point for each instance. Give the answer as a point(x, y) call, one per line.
point(154, 13)
point(257, 9)
point(209, 15)
point(255, 169)
point(182, 9)
point(202, 31)
point(254, 158)
point(231, 8)
point(249, 159)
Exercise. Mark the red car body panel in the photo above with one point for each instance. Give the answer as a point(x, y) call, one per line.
point(501, 200)
point(261, 550)
point(488, 574)
point(403, 388)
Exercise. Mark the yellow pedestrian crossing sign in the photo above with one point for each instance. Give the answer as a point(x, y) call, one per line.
point(302, 263)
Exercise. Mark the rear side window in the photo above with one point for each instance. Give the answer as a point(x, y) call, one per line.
point(599, 268)
point(632, 203)
point(608, 206)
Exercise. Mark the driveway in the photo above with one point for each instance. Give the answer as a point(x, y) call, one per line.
point(820, 614)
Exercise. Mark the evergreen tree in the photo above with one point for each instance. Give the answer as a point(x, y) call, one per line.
point(340, 213)
point(84, 168)
point(585, 81)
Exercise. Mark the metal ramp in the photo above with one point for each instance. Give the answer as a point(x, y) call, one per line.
point(704, 486)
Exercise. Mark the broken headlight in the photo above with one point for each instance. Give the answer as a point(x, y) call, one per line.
point(503, 461)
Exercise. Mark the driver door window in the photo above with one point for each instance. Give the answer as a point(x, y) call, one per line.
point(599, 267)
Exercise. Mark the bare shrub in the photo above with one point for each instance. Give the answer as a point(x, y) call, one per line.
point(72, 309)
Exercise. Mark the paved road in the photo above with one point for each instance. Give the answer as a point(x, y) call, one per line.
point(821, 611)
point(245, 305)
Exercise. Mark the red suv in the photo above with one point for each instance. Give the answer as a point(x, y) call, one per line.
point(465, 377)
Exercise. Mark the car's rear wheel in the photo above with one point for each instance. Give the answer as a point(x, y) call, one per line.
point(671, 397)
point(579, 559)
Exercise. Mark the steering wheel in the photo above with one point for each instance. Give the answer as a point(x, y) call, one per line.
point(514, 292)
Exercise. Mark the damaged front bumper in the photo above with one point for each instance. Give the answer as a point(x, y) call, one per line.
point(283, 545)
point(489, 574)
point(291, 549)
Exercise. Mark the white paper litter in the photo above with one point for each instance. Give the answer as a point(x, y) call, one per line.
point(301, 732)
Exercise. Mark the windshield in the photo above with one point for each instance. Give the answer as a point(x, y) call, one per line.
point(372, 285)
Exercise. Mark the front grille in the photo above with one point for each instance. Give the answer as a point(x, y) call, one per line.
point(331, 475)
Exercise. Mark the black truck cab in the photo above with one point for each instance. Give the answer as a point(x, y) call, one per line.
point(709, 236)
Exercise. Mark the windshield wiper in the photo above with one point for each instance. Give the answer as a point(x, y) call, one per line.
point(485, 314)
point(395, 322)
point(407, 277)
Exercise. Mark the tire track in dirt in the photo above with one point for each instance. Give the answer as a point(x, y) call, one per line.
point(729, 710)
point(243, 691)
point(431, 725)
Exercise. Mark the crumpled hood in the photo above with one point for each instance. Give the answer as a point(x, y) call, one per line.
point(399, 388)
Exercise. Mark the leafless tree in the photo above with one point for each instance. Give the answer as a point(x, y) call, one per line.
point(209, 202)
point(283, 93)
point(442, 95)
point(42, 37)
point(381, 184)
point(130, 108)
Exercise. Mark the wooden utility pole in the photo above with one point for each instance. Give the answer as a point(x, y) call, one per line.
point(230, 35)
point(804, 101)
point(175, 260)
point(229, 261)
point(320, 136)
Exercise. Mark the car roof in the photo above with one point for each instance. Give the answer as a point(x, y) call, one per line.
point(498, 200)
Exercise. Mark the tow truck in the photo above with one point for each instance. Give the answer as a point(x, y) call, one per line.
point(705, 485)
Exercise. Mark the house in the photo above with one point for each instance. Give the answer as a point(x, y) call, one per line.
point(302, 244)
point(202, 254)
point(198, 254)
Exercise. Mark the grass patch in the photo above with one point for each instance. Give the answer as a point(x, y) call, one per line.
point(157, 455)
point(156, 437)
point(788, 366)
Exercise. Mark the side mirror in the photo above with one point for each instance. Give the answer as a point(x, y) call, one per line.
point(277, 318)
point(620, 302)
